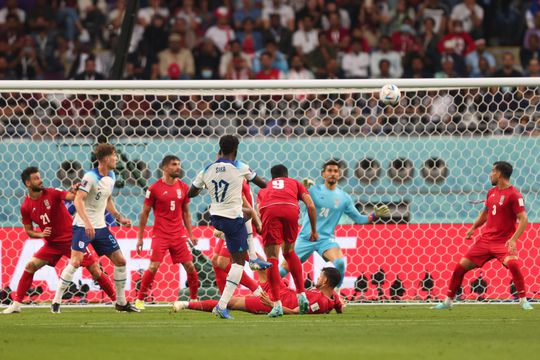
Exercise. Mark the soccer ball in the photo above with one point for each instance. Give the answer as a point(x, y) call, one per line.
point(390, 94)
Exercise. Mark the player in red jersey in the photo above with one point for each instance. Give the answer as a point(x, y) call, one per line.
point(278, 206)
point(504, 204)
point(172, 227)
point(45, 207)
point(322, 300)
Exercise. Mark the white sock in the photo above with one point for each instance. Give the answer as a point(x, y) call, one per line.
point(120, 276)
point(258, 291)
point(302, 293)
point(252, 254)
point(277, 303)
point(522, 300)
point(233, 279)
point(65, 280)
point(448, 301)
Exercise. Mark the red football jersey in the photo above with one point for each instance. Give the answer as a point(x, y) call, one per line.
point(167, 202)
point(49, 211)
point(320, 304)
point(246, 191)
point(502, 207)
point(281, 191)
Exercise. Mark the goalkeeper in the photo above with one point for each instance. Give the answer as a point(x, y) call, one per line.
point(331, 202)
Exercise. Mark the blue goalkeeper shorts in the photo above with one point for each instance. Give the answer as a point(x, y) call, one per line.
point(305, 248)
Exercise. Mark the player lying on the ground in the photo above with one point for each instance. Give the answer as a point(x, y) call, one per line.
point(504, 204)
point(322, 299)
point(278, 206)
point(89, 227)
point(45, 207)
point(331, 202)
point(172, 227)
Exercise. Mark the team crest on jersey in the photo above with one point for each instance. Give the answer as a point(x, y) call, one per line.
point(147, 194)
point(336, 203)
point(501, 200)
point(179, 193)
point(47, 204)
point(520, 202)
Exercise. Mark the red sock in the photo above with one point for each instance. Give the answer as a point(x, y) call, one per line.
point(221, 278)
point(274, 279)
point(106, 285)
point(295, 267)
point(517, 276)
point(456, 280)
point(147, 279)
point(24, 285)
point(245, 280)
point(205, 305)
point(193, 283)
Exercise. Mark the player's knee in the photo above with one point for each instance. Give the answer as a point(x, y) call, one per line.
point(153, 267)
point(214, 260)
point(222, 262)
point(510, 260)
point(120, 262)
point(94, 270)
point(31, 267)
point(189, 267)
point(76, 263)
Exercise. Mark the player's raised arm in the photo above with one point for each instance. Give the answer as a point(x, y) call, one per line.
point(312, 214)
point(111, 208)
point(259, 181)
point(354, 214)
point(480, 220)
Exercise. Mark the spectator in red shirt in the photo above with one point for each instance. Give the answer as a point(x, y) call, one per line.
point(460, 41)
point(268, 72)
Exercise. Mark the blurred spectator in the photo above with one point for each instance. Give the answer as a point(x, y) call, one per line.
point(384, 69)
point(507, 69)
point(12, 8)
point(531, 13)
point(143, 66)
point(28, 66)
point(284, 11)
point(297, 69)
point(268, 71)
point(42, 9)
point(247, 11)
point(313, 9)
point(330, 8)
point(447, 68)
point(13, 32)
point(533, 52)
point(356, 63)
point(238, 69)
point(437, 11)
point(318, 58)
point(336, 33)
point(332, 70)
point(403, 40)
point(417, 69)
point(83, 49)
point(430, 40)
point(5, 71)
point(191, 15)
point(61, 61)
point(305, 39)
point(472, 59)
point(397, 17)
point(235, 50)
point(90, 72)
point(206, 57)
point(93, 20)
point(392, 56)
point(154, 7)
point(176, 62)
point(483, 69)
point(188, 34)
point(221, 33)
point(279, 60)
point(535, 31)
point(155, 37)
point(250, 39)
point(68, 20)
point(281, 35)
point(533, 70)
point(471, 16)
point(44, 39)
point(460, 42)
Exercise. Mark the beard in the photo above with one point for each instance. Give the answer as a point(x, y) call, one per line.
point(37, 188)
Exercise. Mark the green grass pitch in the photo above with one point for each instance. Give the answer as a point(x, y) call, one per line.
point(362, 332)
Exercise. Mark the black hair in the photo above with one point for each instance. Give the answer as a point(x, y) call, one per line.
point(278, 171)
point(504, 168)
point(332, 275)
point(330, 162)
point(27, 173)
point(167, 159)
point(228, 144)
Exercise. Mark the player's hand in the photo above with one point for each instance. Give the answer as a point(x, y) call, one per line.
point(314, 236)
point(257, 224)
point(381, 211)
point(307, 182)
point(46, 232)
point(75, 188)
point(89, 230)
point(194, 241)
point(139, 246)
point(124, 221)
point(219, 234)
point(511, 246)
point(265, 299)
point(469, 234)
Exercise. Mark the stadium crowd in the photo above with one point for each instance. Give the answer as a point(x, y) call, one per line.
point(274, 39)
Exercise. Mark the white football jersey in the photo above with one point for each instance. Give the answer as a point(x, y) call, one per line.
point(99, 189)
point(224, 179)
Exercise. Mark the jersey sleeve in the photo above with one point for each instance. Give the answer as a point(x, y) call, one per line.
point(518, 205)
point(60, 194)
point(246, 171)
point(25, 215)
point(199, 180)
point(149, 198)
point(87, 182)
point(353, 213)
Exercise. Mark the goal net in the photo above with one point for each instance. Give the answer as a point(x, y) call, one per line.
point(427, 158)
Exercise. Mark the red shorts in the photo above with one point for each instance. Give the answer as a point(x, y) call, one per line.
point(53, 252)
point(178, 248)
point(279, 223)
point(483, 251)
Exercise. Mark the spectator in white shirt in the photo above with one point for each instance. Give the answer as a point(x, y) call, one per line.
point(355, 64)
point(471, 16)
point(306, 39)
point(385, 52)
point(285, 12)
point(145, 14)
point(298, 70)
point(221, 33)
point(11, 8)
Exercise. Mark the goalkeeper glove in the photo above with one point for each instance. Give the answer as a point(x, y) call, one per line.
point(379, 211)
point(307, 182)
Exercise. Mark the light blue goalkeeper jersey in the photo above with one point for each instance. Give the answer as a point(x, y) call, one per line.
point(330, 204)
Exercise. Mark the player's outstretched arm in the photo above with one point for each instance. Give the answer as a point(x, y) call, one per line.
point(193, 192)
point(480, 220)
point(354, 214)
point(143, 220)
point(186, 217)
point(29, 230)
point(523, 220)
point(312, 214)
point(116, 214)
point(259, 181)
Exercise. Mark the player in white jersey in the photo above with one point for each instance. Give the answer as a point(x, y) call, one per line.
point(223, 179)
point(89, 226)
